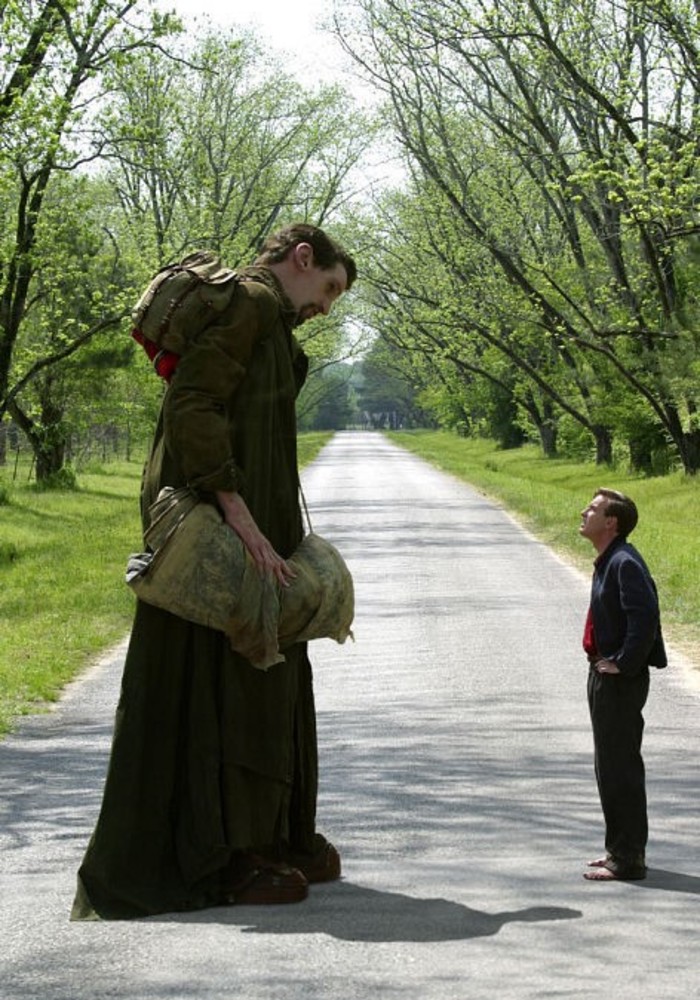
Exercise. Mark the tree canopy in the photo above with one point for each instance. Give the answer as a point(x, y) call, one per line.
point(552, 216)
point(126, 145)
point(531, 275)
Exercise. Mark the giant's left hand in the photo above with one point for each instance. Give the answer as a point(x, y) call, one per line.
point(238, 517)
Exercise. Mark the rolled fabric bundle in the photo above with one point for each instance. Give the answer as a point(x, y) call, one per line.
point(319, 603)
point(197, 567)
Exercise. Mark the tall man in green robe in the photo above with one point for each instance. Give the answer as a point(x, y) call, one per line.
point(210, 796)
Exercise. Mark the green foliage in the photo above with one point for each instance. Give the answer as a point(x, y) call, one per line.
point(573, 442)
point(387, 388)
point(325, 402)
point(216, 149)
point(201, 143)
point(552, 217)
point(62, 276)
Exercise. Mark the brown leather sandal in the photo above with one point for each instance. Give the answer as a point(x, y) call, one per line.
point(266, 883)
point(323, 865)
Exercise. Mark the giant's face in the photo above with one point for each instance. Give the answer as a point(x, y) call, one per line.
point(314, 290)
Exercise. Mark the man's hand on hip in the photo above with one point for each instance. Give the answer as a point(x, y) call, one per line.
point(606, 667)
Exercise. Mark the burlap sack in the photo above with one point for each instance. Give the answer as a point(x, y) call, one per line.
point(198, 568)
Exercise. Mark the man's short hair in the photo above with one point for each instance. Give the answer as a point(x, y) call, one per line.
point(622, 508)
point(327, 253)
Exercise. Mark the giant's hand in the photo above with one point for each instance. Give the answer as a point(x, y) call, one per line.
point(238, 517)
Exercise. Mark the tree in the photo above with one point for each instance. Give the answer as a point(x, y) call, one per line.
point(561, 141)
point(53, 58)
point(212, 147)
point(78, 298)
point(441, 299)
point(388, 388)
point(209, 147)
point(326, 402)
point(197, 146)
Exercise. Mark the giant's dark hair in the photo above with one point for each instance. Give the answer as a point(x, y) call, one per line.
point(327, 253)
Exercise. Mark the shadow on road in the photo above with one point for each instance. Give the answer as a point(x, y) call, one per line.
point(659, 878)
point(356, 913)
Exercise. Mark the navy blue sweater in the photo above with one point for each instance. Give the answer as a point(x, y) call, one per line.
point(625, 610)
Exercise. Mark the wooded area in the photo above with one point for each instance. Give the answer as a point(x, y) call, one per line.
point(127, 143)
point(531, 275)
point(539, 272)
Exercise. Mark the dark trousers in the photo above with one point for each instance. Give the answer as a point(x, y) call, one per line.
point(616, 704)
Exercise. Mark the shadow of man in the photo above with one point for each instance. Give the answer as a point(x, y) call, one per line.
point(355, 913)
point(659, 878)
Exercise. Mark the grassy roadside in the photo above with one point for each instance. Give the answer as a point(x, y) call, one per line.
point(547, 495)
point(62, 596)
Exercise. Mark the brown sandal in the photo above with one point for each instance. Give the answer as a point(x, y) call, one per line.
point(321, 866)
point(266, 883)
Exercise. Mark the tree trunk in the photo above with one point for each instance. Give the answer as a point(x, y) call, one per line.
point(640, 454)
point(50, 453)
point(648, 447)
point(47, 439)
point(548, 438)
point(545, 422)
point(603, 445)
point(690, 452)
point(687, 443)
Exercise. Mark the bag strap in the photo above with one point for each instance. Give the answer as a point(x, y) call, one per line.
point(306, 510)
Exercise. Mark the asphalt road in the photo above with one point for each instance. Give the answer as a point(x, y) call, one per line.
point(456, 781)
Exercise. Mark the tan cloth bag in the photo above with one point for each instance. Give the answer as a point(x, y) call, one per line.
point(198, 568)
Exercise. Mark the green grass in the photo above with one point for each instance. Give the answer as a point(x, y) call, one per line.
point(309, 445)
point(547, 496)
point(62, 594)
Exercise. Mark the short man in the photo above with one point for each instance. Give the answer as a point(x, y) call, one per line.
point(622, 638)
point(210, 796)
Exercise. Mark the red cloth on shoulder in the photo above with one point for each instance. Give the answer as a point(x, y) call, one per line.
point(164, 362)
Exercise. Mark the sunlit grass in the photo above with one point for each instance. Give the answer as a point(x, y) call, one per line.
point(547, 496)
point(63, 599)
point(62, 595)
point(309, 445)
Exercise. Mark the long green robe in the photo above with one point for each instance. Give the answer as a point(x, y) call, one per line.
point(211, 755)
